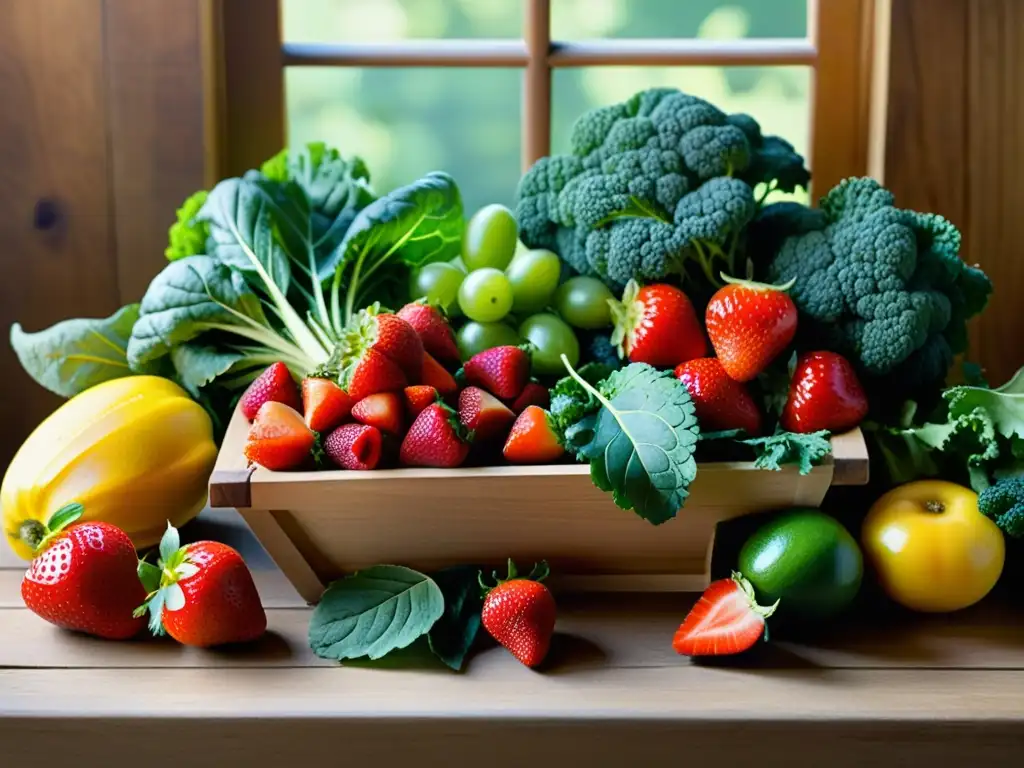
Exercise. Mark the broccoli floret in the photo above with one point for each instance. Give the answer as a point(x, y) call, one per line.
point(598, 348)
point(773, 161)
point(1003, 503)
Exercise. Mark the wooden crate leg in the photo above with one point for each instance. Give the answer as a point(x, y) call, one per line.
point(265, 526)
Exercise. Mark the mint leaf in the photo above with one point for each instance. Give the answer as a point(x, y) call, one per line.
point(453, 635)
point(783, 448)
point(374, 612)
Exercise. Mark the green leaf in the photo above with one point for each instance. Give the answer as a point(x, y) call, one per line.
point(331, 182)
point(73, 355)
point(373, 612)
point(453, 634)
point(805, 450)
point(65, 516)
point(170, 543)
point(187, 236)
point(199, 364)
point(149, 575)
point(570, 402)
point(640, 444)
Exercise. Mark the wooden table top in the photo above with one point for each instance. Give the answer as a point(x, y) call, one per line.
point(941, 688)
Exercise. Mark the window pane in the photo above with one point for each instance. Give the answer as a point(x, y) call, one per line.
point(777, 97)
point(715, 19)
point(406, 122)
point(333, 21)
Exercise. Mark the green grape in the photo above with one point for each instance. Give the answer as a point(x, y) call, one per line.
point(490, 238)
point(438, 282)
point(583, 302)
point(485, 295)
point(475, 337)
point(551, 337)
point(534, 277)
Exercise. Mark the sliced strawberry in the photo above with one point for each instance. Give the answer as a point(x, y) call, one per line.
point(484, 414)
point(533, 439)
point(721, 402)
point(419, 397)
point(325, 404)
point(436, 375)
point(382, 410)
point(726, 620)
point(502, 371)
point(433, 328)
point(278, 438)
point(533, 394)
point(435, 439)
point(273, 385)
point(373, 372)
point(354, 446)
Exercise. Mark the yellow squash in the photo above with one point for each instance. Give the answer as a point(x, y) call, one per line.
point(136, 452)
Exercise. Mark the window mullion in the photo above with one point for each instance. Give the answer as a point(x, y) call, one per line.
point(537, 82)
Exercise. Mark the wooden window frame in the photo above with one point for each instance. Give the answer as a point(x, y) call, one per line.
point(247, 81)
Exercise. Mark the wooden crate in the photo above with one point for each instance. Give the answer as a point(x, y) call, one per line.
point(318, 526)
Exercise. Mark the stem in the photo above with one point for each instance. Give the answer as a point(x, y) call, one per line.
point(705, 264)
point(351, 298)
point(267, 339)
point(336, 302)
point(322, 333)
point(239, 382)
point(587, 386)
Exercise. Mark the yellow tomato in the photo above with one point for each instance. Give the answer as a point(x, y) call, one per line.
point(931, 547)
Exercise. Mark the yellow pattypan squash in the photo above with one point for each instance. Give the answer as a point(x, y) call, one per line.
point(136, 452)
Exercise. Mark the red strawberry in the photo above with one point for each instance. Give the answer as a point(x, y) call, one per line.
point(726, 620)
point(273, 385)
point(278, 438)
point(385, 333)
point(419, 397)
point(721, 402)
point(533, 440)
point(749, 325)
point(206, 595)
point(383, 411)
point(520, 614)
point(502, 371)
point(435, 375)
point(532, 394)
point(484, 414)
point(433, 328)
point(435, 439)
point(324, 404)
point(825, 394)
point(370, 373)
point(657, 325)
point(354, 446)
point(84, 577)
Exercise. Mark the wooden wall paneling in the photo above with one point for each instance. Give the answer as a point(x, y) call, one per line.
point(56, 225)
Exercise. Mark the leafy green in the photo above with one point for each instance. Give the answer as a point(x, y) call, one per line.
point(187, 236)
point(804, 450)
point(373, 612)
point(73, 355)
point(454, 633)
point(640, 443)
point(570, 402)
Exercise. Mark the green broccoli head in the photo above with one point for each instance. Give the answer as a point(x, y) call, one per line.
point(773, 160)
point(1003, 503)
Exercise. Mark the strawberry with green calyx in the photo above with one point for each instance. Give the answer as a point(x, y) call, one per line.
point(275, 384)
point(520, 613)
point(436, 439)
point(386, 333)
point(726, 620)
point(430, 322)
point(206, 596)
point(83, 576)
point(437, 376)
point(325, 405)
point(656, 324)
point(533, 438)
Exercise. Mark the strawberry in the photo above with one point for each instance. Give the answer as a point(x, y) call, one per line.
point(726, 620)
point(825, 393)
point(520, 614)
point(657, 325)
point(84, 577)
point(435, 375)
point(435, 439)
point(205, 597)
point(325, 404)
point(354, 446)
point(385, 333)
point(370, 373)
point(484, 414)
point(721, 402)
point(382, 410)
point(419, 397)
point(532, 394)
point(502, 371)
point(433, 328)
point(533, 439)
point(278, 438)
point(273, 385)
point(749, 325)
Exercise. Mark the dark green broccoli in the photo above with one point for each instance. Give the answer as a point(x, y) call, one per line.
point(597, 347)
point(1003, 503)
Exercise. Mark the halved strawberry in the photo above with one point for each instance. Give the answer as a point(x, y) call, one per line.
point(388, 334)
point(502, 371)
point(533, 439)
point(436, 375)
point(382, 410)
point(433, 328)
point(273, 385)
point(371, 373)
point(278, 438)
point(325, 404)
point(726, 620)
point(419, 397)
point(484, 414)
point(533, 394)
point(435, 439)
point(354, 446)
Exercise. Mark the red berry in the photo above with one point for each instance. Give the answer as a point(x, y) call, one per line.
point(382, 410)
point(484, 414)
point(419, 397)
point(435, 439)
point(273, 385)
point(502, 371)
point(325, 404)
point(371, 373)
point(532, 394)
point(354, 446)
point(726, 620)
point(657, 325)
point(825, 393)
point(278, 438)
point(433, 328)
point(520, 613)
point(533, 439)
point(749, 325)
point(721, 402)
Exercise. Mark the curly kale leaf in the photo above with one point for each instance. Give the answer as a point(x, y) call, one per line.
point(782, 448)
